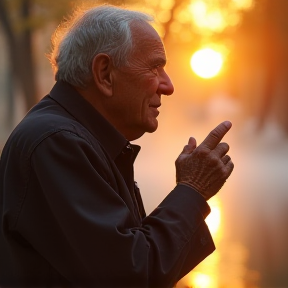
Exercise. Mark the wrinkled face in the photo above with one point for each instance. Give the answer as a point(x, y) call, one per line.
point(138, 87)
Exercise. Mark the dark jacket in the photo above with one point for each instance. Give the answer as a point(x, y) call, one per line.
point(71, 214)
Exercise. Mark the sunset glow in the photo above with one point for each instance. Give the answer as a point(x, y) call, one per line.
point(243, 4)
point(214, 218)
point(201, 280)
point(212, 16)
point(204, 17)
point(206, 62)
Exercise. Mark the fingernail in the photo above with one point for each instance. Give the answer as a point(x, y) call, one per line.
point(228, 124)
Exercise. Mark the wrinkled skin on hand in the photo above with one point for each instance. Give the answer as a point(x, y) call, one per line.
point(206, 167)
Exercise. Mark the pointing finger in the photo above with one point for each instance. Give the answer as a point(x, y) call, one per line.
point(216, 135)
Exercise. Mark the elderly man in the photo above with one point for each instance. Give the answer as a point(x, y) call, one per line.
point(70, 210)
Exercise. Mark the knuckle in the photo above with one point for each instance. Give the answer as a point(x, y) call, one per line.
point(202, 152)
point(186, 147)
point(214, 160)
point(181, 160)
point(223, 170)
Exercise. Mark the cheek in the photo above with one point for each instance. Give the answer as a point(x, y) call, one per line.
point(138, 94)
point(152, 82)
point(149, 91)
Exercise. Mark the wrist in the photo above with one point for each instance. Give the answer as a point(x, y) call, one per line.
point(191, 186)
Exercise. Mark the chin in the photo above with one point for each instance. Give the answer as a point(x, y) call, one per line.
point(152, 128)
point(140, 131)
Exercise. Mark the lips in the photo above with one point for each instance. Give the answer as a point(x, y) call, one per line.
point(154, 105)
point(154, 108)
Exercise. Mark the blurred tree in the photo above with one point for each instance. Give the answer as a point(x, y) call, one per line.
point(274, 31)
point(261, 44)
point(19, 19)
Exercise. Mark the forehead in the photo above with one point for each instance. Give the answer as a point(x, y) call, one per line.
point(146, 41)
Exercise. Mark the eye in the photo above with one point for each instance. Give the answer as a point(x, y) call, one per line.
point(155, 68)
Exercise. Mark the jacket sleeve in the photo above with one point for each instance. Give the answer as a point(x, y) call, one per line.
point(83, 228)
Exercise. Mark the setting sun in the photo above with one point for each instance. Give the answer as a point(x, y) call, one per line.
point(206, 62)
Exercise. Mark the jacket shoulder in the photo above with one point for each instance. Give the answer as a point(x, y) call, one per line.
point(43, 120)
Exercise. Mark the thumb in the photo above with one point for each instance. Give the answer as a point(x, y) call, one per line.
point(189, 148)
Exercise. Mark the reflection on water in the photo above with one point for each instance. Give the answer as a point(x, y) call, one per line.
point(224, 268)
point(214, 218)
point(249, 217)
point(201, 280)
point(206, 275)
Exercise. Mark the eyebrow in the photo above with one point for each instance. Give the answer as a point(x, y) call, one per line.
point(159, 60)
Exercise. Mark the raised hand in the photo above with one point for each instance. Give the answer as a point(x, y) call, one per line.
point(206, 167)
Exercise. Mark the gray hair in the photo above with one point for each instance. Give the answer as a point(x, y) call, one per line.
point(102, 29)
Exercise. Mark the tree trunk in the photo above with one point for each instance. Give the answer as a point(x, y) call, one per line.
point(27, 65)
point(20, 50)
point(271, 53)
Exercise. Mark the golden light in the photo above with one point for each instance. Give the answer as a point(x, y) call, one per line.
point(203, 17)
point(201, 280)
point(210, 16)
point(166, 4)
point(206, 62)
point(243, 4)
point(214, 218)
point(206, 274)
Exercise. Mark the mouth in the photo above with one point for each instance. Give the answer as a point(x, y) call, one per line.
point(154, 108)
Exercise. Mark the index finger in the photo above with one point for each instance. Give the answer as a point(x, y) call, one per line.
point(216, 135)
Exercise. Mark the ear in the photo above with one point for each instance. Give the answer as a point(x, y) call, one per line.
point(101, 70)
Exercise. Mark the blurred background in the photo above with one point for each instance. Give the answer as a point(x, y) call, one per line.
point(228, 60)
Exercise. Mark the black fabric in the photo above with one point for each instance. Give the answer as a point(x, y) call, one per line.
point(71, 213)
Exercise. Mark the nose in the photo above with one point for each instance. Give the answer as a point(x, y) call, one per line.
point(165, 85)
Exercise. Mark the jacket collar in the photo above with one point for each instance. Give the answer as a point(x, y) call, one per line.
point(112, 141)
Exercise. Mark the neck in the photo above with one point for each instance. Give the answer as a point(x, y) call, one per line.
point(99, 102)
